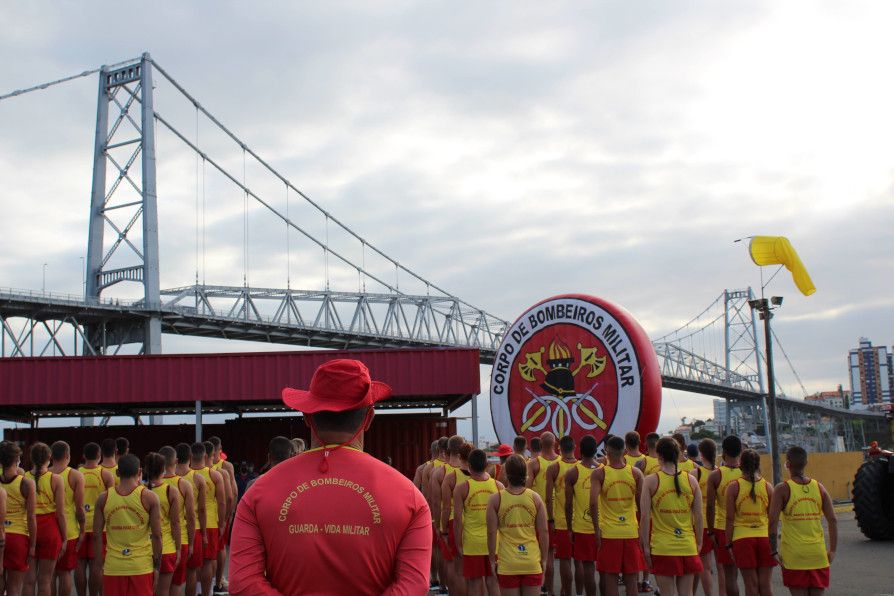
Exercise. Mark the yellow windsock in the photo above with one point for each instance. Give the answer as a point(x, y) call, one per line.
point(777, 250)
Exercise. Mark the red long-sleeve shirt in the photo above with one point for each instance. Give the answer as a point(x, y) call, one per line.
point(360, 528)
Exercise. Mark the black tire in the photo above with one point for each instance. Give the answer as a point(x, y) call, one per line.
point(874, 501)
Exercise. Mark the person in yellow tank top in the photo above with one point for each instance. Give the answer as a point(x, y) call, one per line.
point(718, 482)
point(707, 449)
point(670, 506)
point(75, 519)
point(170, 504)
point(441, 509)
point(187, 517)
point(558, 525)
point(96, 481)
point(109, 461)
point(19, 523)
point(577, 512)
point(537, 470)
point(51, 524)
point(802, 502)
point(439, 458)
point(649, 463)
point(215, 511)
point(228, 472)
point(685, 464)
point(747, 522)
point(130, 516)
point(451, 481)
point(200, 539)
point(517, 535)
point(614, 495)
point(470, 521)
point(632, 454)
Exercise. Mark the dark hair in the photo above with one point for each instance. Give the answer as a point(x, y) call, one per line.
point(797, 460)
point(465, 450)
point(153, 465)
point(669, 451)
point(566, 444)
point(109, 447)
point(516, 470)
point(536, 445)
point(588, 446)
point(60, 450)
point(442, 444)
point(215, 440)
point(691, 451)
point(128, 466)
point(9, 453)
point(680, 439)
point(519, 443)
point(122, 445)
point(652, 439)
point(40, 454)
point(631, 439)
point(183, 453)
point(750, 465)
point(197, 450)
point(434, 448)
point(616, 445)
point(477, 461)
point(209, 448)
point(338, 422)
point(708, 449)
point(91, 451)
point(454, 444)
point(280, 449)
point(732, 446)
point(169, 454)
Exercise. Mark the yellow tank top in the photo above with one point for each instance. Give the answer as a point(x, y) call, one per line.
point(518, 551)
point(128, 548)
point(703, 474)
point(672, 531)
point(631, 460)
point(45, 501)
point(16, 513)
point(751, 515)
point(210, 498)
point(72, 529)
point(559, 495)
point(164, 508)
point(539, 485)
point(581, 522)
point(460, 478)
point(803, 544)
point(191, 476)
point(174, 481)
point(687, 465)
point(438, 463)
point(216, 467)
point(727, 475)
point(475, 516)
point(93, 487)
point(114, 471)
point(617, 503)
point(651, 465)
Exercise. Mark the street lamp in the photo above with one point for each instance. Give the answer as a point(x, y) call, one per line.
point(764, 308)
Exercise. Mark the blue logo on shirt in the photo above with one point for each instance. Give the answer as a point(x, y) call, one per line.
point(126, 552)
point(678, 531)
point(521, 548)
point(622, 518)
point(86, 506)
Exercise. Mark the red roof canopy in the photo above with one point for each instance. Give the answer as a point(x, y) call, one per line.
point(128, 385)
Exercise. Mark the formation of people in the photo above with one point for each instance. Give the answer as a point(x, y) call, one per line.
point(115, 525)
point(614, 519)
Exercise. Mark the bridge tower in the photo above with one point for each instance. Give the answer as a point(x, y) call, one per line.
point(127, 206)
point(742, 349)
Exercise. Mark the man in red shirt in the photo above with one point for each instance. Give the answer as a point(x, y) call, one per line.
point(333, 519)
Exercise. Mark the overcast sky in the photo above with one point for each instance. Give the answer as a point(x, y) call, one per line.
point(508, 152)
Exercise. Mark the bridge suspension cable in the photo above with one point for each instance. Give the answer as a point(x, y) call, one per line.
point(48, 84)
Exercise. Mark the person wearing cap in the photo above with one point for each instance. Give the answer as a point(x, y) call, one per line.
point(503, 452)
point(333, 519)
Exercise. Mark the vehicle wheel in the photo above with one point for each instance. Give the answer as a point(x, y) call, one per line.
point(874, 500)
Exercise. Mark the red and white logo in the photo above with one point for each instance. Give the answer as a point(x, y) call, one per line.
point(575, 365)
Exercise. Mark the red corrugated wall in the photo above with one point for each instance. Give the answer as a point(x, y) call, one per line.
point(406, 438)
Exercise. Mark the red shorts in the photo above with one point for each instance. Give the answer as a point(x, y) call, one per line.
point(517, 581)
point(210, 553)
point(707, 543)
point(444, 547)
point(620, 555)
point(584, 547)
point(69, 560)
point(563, 545)
point(127, 585)
point(552, 537)
point(224, 540)
point(86, 550)
point(195, 561)
point(475, 566)
point(168, 563)
point(15, 554)
point(179, 577)
point(751, 553)
point(49, 540)
point(676, 565)
point(723, 554)
point(805, 578)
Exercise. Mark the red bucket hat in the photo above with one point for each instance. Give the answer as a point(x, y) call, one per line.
point(504, 450)
point(337, 386)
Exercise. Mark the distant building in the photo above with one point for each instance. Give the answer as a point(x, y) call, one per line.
point(720, 411)
point(840, 398)
point(872, 375)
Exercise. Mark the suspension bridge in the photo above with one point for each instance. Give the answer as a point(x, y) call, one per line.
point(368, 299)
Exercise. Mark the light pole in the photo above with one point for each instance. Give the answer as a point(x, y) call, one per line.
point(43, 285)
point(765, 307)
